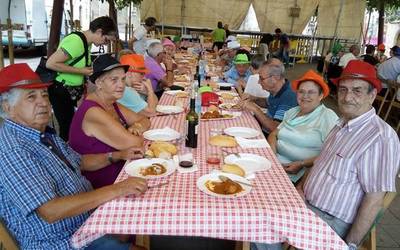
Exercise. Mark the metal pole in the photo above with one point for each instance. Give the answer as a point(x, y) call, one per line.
point(10, 42)
point(1, 49)
point(338, 19)
point(162, 17)
point(129, 21)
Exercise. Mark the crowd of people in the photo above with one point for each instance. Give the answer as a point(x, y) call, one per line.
point(342, 165)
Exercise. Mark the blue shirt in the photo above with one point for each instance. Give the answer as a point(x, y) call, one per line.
point(284, 100)
point(30, 176)
point(232, 75)
point(132, 100)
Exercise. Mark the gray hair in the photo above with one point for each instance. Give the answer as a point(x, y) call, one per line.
point(155, 49)
point(275, 67)
point(11, 97)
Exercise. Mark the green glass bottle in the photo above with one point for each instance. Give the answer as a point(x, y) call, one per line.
point(192, 120)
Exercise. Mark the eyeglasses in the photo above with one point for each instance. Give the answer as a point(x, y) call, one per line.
point(307, 93)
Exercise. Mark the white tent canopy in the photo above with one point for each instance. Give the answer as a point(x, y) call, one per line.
point(270, 14)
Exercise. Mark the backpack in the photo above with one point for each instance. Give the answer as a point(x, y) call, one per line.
point(48, 75)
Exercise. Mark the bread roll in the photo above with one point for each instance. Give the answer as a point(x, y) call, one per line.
point(233, 169)
point(161, 147)
point(222, 141)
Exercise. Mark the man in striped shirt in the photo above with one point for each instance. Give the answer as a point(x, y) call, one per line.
point(358, 162)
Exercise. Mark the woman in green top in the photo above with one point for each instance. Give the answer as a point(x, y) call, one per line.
point(218, 36)
point(68, 86)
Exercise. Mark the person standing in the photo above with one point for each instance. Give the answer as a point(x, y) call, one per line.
point(218, 36)
point(138, 41)
point(68, 86)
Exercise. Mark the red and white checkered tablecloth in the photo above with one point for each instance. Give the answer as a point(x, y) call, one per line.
point(272, 212)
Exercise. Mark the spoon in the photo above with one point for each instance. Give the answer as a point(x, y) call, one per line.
point(225, 178)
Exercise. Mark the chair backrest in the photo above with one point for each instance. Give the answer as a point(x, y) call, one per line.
point(7, 241)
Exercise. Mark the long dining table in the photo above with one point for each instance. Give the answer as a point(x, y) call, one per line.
point(272, 212)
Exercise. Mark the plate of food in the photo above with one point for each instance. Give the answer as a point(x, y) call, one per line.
point(250, 163)
point(169, 109)
point(181, 78)
point(177, 93)
point(161, 149)
point(227, 95)
point(217, 115)
point(244, 132)
point(231, 187)
point(150, 168)
point(230, 106)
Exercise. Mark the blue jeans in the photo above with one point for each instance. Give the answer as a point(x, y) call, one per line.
point(108, 242)
point(339, 226)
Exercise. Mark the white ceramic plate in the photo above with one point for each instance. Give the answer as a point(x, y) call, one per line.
point(250, 163)
point(214, 177)
point(165, 134)
point(134, 167)
point(168, 109)
point(234, 94)
point(228, 106)
point(242, 132)
point(173, 92)
point(224, 84)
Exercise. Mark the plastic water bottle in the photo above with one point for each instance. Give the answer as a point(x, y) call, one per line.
point(198, 103)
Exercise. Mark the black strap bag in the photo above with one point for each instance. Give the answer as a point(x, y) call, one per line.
point(48, 75)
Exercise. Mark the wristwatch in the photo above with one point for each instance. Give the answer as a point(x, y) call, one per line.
point(110, 157)
point(352, 246)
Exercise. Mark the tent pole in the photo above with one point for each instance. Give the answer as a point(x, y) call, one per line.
point(162, 17)
point(338, 19)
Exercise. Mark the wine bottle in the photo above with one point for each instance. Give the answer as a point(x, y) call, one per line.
point(192, 120)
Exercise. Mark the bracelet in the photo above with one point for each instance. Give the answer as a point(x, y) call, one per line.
point(110, 157)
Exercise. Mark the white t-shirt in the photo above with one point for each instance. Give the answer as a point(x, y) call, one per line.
point(254, 88)
point(140, 44)
point(346, 58)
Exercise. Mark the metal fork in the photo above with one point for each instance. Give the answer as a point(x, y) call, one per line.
point(236, 154)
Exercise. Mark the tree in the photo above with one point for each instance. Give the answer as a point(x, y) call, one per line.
point(115, 5)
point(381, 6)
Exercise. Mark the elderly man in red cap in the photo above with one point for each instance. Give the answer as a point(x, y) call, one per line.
point(44, 198)
point(358, 161)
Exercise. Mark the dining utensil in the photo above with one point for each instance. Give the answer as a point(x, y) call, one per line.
point(226, 178)
point(159, 185)
point(236, 154)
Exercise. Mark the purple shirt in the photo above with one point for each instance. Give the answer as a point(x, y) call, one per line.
point(156, 72)
point(84, 144)
point(359, 157)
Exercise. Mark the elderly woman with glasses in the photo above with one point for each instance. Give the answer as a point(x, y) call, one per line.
point(298, 140)
point(102, 126)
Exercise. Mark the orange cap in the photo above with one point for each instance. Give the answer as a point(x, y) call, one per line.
point(311, 75)
point(381, 47)
point(136, 63)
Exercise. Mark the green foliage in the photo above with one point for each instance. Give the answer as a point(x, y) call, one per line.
point(120, 4)
point(374, 4)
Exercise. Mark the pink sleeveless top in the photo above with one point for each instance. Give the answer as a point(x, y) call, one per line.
point(84, 144)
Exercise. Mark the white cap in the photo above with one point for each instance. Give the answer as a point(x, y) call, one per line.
point(150, 41)
point(230, 38)
point(233, 45)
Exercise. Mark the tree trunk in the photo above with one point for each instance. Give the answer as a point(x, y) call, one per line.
point(55, 27)
point(113, 14)
point(381, 20)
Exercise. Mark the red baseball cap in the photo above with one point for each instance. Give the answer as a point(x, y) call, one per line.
point(357, 69)
point(20, 75)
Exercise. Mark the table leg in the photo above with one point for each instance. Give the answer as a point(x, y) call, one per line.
point(242, 245)
point(143, 241)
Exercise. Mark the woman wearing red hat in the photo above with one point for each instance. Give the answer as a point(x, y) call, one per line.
point(298, 139)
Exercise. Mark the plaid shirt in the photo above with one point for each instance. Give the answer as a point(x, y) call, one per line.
point(30, 176)
point(359, 157)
